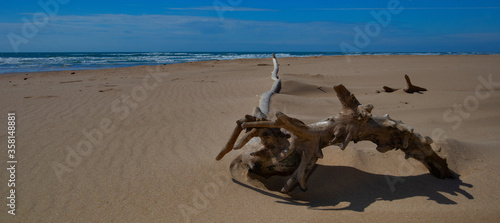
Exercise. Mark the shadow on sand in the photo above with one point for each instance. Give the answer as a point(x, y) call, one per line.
point(331, 187)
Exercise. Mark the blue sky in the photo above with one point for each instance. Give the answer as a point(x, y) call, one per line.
point(246, 25)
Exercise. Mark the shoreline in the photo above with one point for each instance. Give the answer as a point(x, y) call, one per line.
point(202, 61)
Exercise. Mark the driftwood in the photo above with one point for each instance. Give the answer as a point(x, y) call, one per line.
point(389, 89)
point(410, 88)
point(265, 99)
point(290, 147)
point(260, 114)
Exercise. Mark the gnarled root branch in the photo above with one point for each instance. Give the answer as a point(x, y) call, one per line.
point(294, 152)
point(359, 125)
point(354, 123)
point(390, 134)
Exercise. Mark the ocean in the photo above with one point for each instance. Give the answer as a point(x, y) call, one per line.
point(37, 62)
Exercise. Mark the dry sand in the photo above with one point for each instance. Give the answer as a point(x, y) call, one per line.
point(138, 144)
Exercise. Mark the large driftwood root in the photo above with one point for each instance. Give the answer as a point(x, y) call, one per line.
point(354, 123)
point(288, 146)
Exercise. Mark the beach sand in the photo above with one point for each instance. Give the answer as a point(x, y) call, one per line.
point(139, 144)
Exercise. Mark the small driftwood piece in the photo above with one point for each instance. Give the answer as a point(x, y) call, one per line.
point(389, 89)
point(410, 88)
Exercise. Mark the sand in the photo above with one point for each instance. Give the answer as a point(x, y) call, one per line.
point(139, 144)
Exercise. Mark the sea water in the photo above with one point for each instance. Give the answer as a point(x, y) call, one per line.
point(37, 62)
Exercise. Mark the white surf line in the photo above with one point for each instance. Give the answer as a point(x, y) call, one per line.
point(265, 99)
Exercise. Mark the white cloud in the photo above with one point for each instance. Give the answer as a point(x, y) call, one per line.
point(227, 8)
point(405, 8)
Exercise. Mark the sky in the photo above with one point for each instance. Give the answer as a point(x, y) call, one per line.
point(250, 25)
